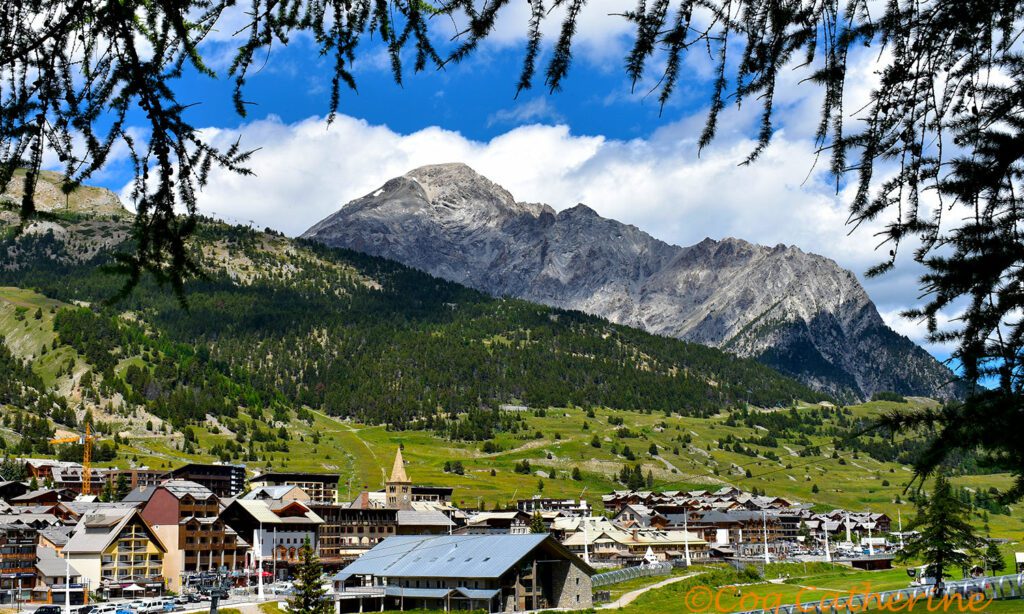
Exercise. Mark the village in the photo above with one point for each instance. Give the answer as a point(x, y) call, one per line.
point(174, 538)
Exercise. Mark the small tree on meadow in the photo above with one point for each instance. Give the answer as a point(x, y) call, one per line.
point(994, 559)
point(946, 539)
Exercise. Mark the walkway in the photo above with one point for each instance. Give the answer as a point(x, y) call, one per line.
point(632, 596)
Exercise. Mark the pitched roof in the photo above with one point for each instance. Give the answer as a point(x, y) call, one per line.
point(86, 507)
point(94, 532)
point(449, 556)
point(422, 519)
point(180, 488)
point(398, 470)
point(54, 567)
point(141, 494)
point(35, 494)
point(264, 512)
point(274, 492)
point(58, 535)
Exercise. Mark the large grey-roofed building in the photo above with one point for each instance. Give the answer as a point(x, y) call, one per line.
point(491, 572)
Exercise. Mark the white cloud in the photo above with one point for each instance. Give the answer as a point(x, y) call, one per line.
point(538, 109)
point(917, 330)
point(307, 170)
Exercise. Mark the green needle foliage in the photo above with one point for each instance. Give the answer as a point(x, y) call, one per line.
point(310, 596)
point(934, 156)
point(537, 524)
point(994, 559)
point(946, 539)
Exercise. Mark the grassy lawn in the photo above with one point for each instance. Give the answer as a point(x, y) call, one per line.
point(723, 590)
point(621, 588)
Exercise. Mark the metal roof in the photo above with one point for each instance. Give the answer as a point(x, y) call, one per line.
point(477, 593)
point(429, 593)
point(55, 567)
point(180, 488)
point(444, 556)
point(429, 518)
point(439, 593)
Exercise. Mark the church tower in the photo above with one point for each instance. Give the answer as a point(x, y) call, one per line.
point(399, 487)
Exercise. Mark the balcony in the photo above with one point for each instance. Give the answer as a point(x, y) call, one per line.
point(361, 591)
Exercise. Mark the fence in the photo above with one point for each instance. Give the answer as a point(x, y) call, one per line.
point(629, 573)
point(997, 587)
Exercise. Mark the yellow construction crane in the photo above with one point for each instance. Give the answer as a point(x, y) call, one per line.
point(86, 441)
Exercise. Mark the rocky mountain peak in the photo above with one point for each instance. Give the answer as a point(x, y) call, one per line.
point(455, 184)
point(49, 197)
point(798, 312)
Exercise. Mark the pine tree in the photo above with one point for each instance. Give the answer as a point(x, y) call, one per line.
point(107, 494)
point(122, 488)
point(805, 532)
point(576, 475)
point(11, 469)
point(946, 537)
point(310, 596)
point(994, 559)
point(537, 524)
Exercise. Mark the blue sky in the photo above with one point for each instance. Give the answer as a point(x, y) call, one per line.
point(595, 142)
point(476, 98)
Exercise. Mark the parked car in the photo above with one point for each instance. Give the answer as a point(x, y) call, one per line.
point(49, 609)
point(170, 605)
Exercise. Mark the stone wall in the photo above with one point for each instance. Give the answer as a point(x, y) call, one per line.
point(570, 587)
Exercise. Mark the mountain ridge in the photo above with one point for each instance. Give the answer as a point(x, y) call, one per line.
point(796, 311)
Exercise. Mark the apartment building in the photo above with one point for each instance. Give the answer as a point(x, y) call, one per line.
point(17, 562)
point(118, 553)
point(186, 516)
point(319, 486)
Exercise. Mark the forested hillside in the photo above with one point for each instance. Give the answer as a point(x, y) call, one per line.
point(278, 326)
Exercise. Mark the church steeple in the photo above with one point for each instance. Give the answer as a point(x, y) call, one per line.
point(398, 470)
point(399, 487)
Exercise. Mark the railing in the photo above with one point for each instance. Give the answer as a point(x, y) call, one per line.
point(995, 587)
point(368, 591)
point(629, 573)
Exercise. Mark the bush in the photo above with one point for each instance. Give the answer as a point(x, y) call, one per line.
point(750, 574)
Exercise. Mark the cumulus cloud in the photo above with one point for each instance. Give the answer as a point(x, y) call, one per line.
point(307, 170)
point(917, 330)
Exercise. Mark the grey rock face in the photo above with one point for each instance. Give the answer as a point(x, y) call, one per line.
point(799, 312)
